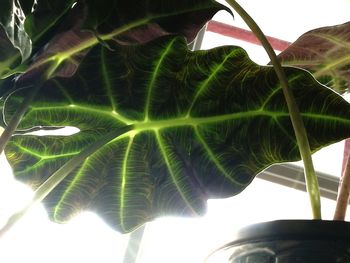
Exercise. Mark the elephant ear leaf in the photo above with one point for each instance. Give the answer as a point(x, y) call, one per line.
point(325, 52)
point(200, 125)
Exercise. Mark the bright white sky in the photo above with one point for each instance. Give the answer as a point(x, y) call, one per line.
point(87, 239)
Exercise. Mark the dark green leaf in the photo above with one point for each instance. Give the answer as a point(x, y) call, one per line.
point(160, 17)
point(204, 124)
point(325, 52)
point(6, 86)
point(46, 16)
point(9, 55)
point(124, 22)
point(44, 20)
point(12, 22)
point(27, 6)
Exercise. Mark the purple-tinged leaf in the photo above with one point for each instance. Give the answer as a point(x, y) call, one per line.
point(326, 53)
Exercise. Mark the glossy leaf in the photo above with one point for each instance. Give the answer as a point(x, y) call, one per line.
point(9, 55)
point(12, 22)
point(40, 22)
point(203, 124)
point(325, 52)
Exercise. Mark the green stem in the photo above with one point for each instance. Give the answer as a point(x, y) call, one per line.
point(62, 173)
point(298, 125)
point(17, 117)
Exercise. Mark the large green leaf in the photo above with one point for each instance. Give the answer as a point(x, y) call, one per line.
point(325, 52)
point(202, 125)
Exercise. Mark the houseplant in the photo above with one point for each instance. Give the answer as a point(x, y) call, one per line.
point(184, 124)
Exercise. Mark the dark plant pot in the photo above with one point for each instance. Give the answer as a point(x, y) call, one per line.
point(289, 241)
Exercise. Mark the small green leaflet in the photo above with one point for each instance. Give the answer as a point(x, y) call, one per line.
point(203, 124)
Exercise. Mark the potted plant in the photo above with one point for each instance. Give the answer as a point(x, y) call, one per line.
point(160, 129)
point(318, 51)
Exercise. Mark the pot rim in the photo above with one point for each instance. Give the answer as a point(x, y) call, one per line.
point(298, 229)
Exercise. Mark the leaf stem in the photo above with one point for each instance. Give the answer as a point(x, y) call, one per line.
point(17, 117)
point(58, 176)
point(343, 193)
point(295, 116)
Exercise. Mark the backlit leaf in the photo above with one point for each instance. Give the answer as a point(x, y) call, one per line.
point(203, 124)
point(326, 53)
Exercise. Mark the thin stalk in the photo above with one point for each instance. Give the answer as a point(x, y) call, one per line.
point(343, 193)
point(134, 246)
point(61, 174)
point(17, 117)
point(295, 116)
